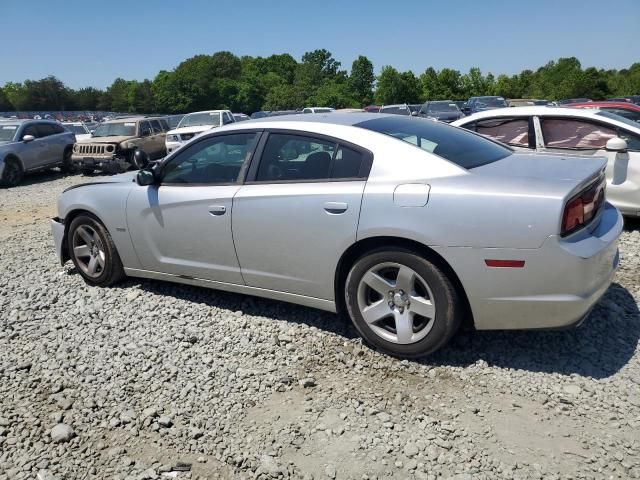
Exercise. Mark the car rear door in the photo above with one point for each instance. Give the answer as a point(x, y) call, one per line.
point(182, 225)
point(157, 140)
point(516, 131)
point(298, 212)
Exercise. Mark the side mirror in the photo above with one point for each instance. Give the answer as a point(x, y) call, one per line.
point(414, 114)
point(28, 138)
point(145, 178)
point(616, 144)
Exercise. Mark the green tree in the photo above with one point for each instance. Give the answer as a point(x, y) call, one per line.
point(87, 98)
point(5, 104)
point(361, 80)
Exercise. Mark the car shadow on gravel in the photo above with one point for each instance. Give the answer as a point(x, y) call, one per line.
point(43, 176)
point(599, 348)
point(631, 224)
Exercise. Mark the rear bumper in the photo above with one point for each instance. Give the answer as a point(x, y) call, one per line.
point(557, 287)
point(57, 230)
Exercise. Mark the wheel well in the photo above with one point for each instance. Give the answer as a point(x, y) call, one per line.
point(12, 156)
point(360, 248)
point(67, 222)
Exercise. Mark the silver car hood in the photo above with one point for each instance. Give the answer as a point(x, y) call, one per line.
point(545, 166)
point(127, 177)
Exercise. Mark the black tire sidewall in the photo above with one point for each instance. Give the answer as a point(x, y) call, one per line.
point(112, 261)
point(448, 310)
point(14, 164)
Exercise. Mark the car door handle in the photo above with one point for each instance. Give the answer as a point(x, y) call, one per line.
point(217, 210)
point(335, 208)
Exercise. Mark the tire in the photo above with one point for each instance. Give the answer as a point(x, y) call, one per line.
point(391, 285)
point(67, 164)
point(93, 252)
point(86, 171)
point(12, 173)
point(131, 158)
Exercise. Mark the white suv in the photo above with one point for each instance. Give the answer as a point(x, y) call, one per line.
point(193, 124)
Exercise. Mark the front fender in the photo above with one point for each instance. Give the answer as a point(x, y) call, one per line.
point(107, 202)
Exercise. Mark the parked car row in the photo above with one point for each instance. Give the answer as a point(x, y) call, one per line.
point(572, 131)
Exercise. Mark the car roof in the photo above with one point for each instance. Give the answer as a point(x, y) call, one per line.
point(337, 118)
point(541, 110)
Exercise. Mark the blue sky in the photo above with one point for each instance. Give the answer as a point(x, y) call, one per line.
point(90, 43)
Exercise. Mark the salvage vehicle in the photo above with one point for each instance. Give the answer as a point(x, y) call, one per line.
point(195, 123)
point(573, 131)
point(443, 110)
point(79, 129)
point(113, 145)
point(480, 104)
point(396, 221)
point(624, 109)
point(32, 145)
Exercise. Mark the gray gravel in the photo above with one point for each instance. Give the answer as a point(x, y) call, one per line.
point(149, 380)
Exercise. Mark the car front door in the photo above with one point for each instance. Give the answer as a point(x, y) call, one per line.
point(577, 136)
point(182, 225)
point(298, 212)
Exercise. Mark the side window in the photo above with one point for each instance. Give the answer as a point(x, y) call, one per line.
point(226, 118)
point(570, 133)
point(213, 160)
point(347, 163)
point(514, 131)
point(165, 124)
point(155, 124)
point(293, 157)
point(145, 129)
point(633, 141)
point(306, 110)
point(57, 128)
point(31, 129)
point(45, 129)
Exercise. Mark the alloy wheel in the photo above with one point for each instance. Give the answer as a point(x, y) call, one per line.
point(396, 303)
point(89, 251)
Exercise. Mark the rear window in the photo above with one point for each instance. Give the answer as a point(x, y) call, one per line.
point(457, 145)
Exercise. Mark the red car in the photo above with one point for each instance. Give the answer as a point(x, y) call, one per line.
point(624, 109)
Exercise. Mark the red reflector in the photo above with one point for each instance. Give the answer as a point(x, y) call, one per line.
point(505, 263)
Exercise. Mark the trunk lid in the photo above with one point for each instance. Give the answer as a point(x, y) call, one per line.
point(572, 171)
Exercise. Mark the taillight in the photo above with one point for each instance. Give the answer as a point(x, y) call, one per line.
point(582, 208)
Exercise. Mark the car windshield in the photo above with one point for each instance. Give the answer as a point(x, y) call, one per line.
point(76, 129)
point(464, 148)
point(442, 107)
point(196, 119)
point(7, 132)
point(492, 102)
point(414, 108)
point(120, 129)
point(619, 118)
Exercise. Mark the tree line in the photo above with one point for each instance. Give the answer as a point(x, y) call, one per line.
point(280, 82)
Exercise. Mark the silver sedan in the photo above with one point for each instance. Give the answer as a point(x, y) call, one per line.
point(411, 227)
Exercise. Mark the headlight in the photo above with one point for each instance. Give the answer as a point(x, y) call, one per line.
point(110, 148)
point(173, 138)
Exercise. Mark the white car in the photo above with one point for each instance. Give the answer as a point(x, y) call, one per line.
point(572, 131)
point(194, 124)
point(79, 129)
point(318, 110)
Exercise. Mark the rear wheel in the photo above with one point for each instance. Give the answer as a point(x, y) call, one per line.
point(67, 165)
point(402, 303)
point(93, 252)
point(12, 173)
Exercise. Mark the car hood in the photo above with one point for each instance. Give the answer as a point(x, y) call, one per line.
point(571, 171)
point(114, 139)
point(194, 129)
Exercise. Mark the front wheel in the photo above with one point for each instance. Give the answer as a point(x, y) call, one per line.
point(12, 173)
point(93, 252)
point(401, 303)
point(67, 164)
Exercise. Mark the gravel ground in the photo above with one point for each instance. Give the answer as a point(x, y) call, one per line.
point(146, 379)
